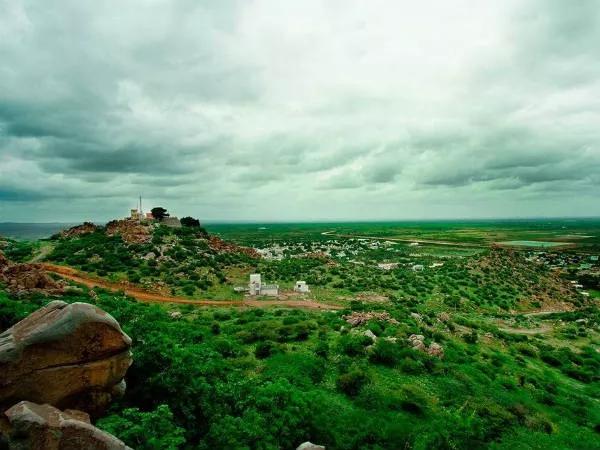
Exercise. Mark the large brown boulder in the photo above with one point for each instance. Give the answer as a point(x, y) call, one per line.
point(29, 426)
point(67, 355)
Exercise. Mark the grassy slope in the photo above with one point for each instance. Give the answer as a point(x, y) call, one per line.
point(317, 382)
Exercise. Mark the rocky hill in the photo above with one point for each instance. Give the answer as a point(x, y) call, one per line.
point(182, 261)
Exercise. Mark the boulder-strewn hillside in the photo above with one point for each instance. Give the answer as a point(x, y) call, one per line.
point(23, 279)
point(179, 260)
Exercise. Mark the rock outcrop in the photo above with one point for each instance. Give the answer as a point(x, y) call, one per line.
point(84, 228)
point(42, 427)
point(219, 245)
point(22, 279)
point(131, 231)
point(417, 342)
point(67, 355)
point(357, 318)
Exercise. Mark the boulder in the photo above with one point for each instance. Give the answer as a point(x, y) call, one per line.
point(42, 427)
point(417, 342)
point(370, 335)
point(310, 446)
point(436, 350)
point(67, 355)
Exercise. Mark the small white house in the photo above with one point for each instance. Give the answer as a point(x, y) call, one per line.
point(301, 286)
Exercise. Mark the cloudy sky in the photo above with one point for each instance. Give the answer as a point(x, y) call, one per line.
point(299, 110)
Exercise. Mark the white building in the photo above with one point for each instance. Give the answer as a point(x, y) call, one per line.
point(256, 287)
point(255, 284)
point(269, 289)
point(301, 286)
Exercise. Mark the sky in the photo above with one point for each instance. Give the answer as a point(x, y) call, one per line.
point(299, 110)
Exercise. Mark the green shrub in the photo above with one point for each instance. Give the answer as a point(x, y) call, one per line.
point(352, 382)
point(263, 349)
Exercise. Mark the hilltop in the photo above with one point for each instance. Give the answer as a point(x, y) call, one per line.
point(182, 260)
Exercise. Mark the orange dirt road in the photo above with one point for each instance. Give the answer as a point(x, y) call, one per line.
point(143, 295)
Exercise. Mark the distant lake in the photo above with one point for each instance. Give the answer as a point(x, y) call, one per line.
point(534, 243)
point(31, 231)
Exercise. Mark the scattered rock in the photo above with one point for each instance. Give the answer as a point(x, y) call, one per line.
point(67, 355)
point(417, 342)
point(391, 339)
point(310, 446)
point(358, 318)
point(23, 279)
point(33, 426)
point(93, 295)
point(175, 315)
point(370, 335)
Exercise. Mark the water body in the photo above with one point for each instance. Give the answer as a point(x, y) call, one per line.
point(31, 231)
point(534, 243)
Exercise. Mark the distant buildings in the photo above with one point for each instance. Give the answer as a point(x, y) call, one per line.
point(138, 215)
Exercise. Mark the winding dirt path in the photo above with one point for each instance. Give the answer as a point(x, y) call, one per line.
point(143, 295)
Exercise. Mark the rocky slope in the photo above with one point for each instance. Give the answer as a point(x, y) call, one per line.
point(22, 279)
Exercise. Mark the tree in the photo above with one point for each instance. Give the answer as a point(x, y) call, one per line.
point(190, 222)
point(159, 213)
point(153, 430)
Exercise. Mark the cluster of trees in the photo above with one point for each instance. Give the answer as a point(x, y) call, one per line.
point(159, 213)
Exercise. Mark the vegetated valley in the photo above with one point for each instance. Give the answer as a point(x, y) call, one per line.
point(420, 345)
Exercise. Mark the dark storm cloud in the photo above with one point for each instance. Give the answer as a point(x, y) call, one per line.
point(263, 102)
